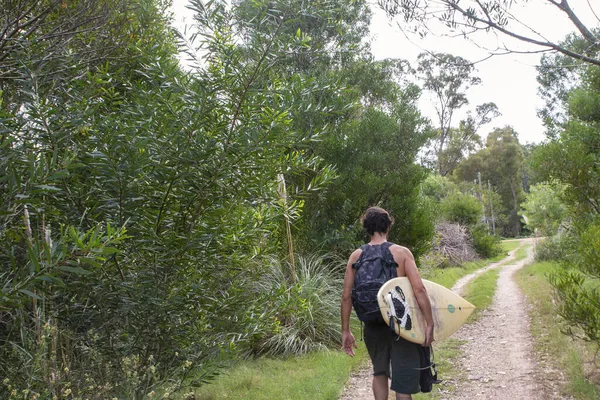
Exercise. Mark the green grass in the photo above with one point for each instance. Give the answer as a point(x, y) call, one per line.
point(507, 245)
point(447, 277)
point(480, 292)
point(320, 375)
point(522, 252)
point(568, 355)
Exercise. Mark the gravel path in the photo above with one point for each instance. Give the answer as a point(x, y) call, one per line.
point(498, 351)
point(498, 355)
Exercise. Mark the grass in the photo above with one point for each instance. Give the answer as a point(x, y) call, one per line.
point(507, 245)
point(573, 357)
point(447, 277)
point(480, 292)
point(319, 375)
point(522, 252)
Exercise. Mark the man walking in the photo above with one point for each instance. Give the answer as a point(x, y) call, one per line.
point(383, 345)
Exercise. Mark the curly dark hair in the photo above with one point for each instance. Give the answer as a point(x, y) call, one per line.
point(376, 219)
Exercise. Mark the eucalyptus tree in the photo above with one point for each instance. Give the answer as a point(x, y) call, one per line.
point(558, 76)
point(448, 77)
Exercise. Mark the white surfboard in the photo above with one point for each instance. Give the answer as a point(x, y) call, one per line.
point(450, 311)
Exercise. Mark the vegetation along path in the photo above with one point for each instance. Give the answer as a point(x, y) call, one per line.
point(497, 352)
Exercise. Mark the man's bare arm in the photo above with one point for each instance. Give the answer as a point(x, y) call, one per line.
point(404, 257)
point(348, 342)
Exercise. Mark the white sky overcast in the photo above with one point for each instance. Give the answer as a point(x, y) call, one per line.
point(507, 80)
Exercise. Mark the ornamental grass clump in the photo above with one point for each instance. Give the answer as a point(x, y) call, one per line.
point(303, 308)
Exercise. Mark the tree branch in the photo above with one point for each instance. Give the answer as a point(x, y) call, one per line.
point(564, 6)
point(493, 25)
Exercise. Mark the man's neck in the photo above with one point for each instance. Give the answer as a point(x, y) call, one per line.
point(378, 238)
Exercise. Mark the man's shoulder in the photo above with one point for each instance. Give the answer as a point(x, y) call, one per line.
point(355, 255)
point(401, 251)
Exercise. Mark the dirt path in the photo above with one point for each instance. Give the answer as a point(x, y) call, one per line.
point(465, 280)
point(498, 357)
point(498, 350)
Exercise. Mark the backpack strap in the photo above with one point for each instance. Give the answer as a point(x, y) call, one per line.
point(388, 256)
point(356, 265)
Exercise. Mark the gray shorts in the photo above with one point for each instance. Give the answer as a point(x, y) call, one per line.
point(385, 349)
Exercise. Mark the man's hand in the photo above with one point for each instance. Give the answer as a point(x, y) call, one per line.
point(428, 336)
point(348, 343)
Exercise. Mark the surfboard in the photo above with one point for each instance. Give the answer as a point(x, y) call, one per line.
point(450, 311)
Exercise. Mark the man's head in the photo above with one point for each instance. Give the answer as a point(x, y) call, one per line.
point(376, 219)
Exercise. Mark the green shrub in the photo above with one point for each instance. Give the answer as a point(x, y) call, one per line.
point(462, 208)
point(560, 247)
point(486, 245)
point(437, 187)
point(303, 308)
point(577, 287)
point(543, 209)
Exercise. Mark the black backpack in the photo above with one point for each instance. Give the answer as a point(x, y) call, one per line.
point(374, 267)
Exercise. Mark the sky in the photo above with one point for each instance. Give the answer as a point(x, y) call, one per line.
point(507, 80)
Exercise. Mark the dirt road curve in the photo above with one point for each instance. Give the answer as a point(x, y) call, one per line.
point(498, 359)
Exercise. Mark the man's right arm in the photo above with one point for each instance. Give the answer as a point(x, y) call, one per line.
point(348, 342)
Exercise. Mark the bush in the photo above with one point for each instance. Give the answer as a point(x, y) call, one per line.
point(437, 187)
point(576, 287)
point(543, 210)
point(304, 311)
point(485, 245)
point(560, 247)
point(462, 209)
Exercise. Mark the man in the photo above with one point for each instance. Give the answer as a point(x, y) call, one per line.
point(383, 345)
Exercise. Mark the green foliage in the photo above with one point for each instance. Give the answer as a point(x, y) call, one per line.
point(461, 208)
point(486, 245)
point(501, 163)
point(560, 248)
point(570, 357)
point(543, 210)
point(577, 287)
point(437, 187)
point(303, 307)
point(374, 160)
point(571, 158)
point(188, 164)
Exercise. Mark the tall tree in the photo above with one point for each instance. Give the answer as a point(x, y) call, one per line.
point(448, 78)
point(501, 162)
